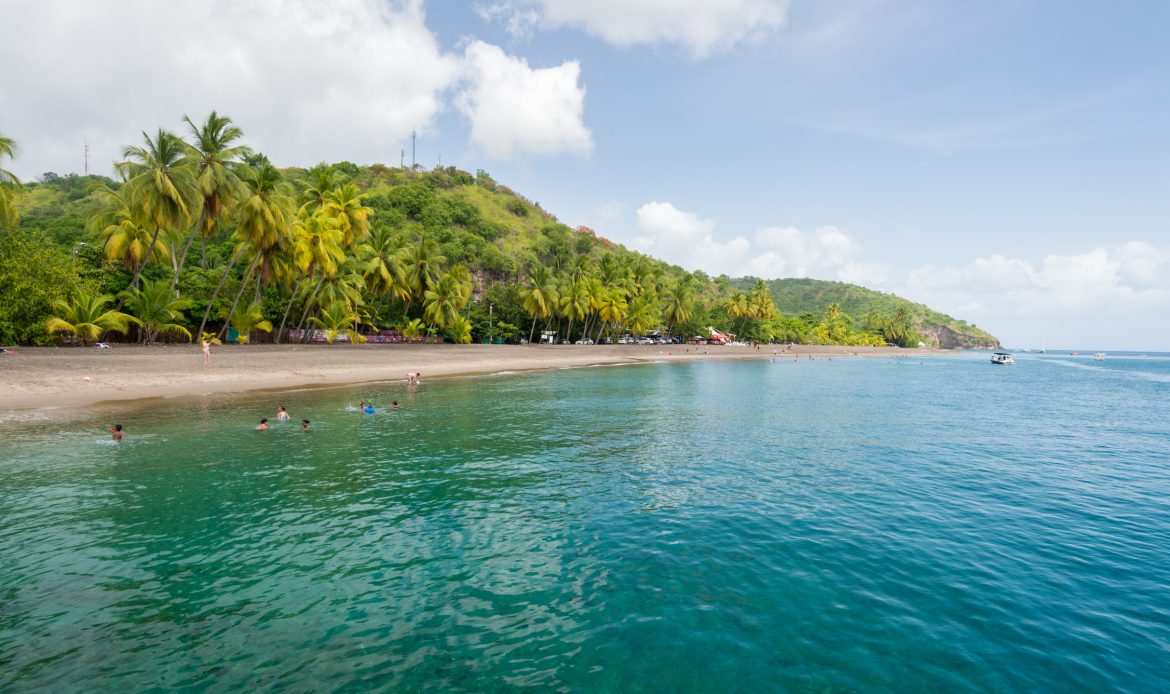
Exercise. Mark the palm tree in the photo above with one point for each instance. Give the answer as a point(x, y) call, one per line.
point(84, 315)
point(574, 303)
point(679, 302)
point(443, 302)
point(9, 186)
point(344, 203)
point(384, 269)
point(219, 168)
point(337, 319)
point(612, 309)
point(250, 318)
point(157, 309)
point(539, 296)
point(323, 178)
point(460, 330)
point(423, 262)
point(264, 215)
point(160, 186)
point(123, 237)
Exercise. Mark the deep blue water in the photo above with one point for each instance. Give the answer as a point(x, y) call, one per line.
point(935, 524)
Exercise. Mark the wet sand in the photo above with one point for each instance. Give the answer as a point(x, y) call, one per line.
point(50, 377)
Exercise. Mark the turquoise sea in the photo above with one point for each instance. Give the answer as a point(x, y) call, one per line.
point(934, 525)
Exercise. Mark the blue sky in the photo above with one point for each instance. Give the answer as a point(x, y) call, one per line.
point(1005, 162)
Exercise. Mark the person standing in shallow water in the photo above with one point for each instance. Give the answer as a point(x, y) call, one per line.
point(263, 425)
point(282, 415)
point(116, 432)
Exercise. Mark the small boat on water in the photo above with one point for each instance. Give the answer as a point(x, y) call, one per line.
point(1002, 358)
point(1099, 356)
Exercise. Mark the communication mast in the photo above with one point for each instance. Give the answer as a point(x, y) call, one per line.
point(87, 157)
point(413, 161)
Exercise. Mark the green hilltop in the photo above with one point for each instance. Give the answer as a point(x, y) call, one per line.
point(443, 252)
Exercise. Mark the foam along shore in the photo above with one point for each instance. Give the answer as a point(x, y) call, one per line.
point(45, 377)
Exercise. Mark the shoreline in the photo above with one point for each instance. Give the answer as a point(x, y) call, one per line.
point(48, 378)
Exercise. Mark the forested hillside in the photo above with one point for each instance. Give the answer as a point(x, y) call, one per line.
point(803, 296)
point(198, 235)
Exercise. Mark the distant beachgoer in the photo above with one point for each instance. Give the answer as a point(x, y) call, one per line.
point(116, 432)
point(282, 415)
point(263, 425)
point(206, 352)
point(5, 350)
point(368, 408)
point(304, 425)
point(394, 405)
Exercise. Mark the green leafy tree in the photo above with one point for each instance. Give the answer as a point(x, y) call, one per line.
point(33, 274)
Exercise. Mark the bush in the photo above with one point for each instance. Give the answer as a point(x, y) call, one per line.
point(33, 273)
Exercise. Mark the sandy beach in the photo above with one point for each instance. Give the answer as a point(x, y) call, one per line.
point(49, 377)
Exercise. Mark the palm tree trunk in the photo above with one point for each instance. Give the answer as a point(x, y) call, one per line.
point(308, 305)
point(187, 247)
point(532, 330)
point(231, 312)
point(288, 308)
point(215, 294)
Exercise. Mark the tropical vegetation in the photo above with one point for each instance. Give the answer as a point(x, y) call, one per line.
point(344, 250)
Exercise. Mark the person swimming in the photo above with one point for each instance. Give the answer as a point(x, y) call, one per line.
point(282, 415)
point(116, 432)
point(394, 405)
point(263, 425)
point(368, 408)
point(304, 425)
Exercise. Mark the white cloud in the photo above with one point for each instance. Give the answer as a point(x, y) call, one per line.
point(688, 240)
point(519, 22)
point(517, 111)
point(702, 27)
point(307, 81)
point(1134, 276)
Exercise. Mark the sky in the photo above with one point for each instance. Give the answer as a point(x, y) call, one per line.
point(1006, 162)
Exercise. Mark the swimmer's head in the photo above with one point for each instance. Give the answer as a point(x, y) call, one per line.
point(264, 421)
point(117, 427)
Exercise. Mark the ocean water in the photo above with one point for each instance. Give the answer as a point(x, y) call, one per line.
point(936, 524)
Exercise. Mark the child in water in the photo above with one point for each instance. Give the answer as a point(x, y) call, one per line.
point(116, 432)
point(263, 425)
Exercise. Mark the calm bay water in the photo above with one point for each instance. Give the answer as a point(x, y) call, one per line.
point(845, 525)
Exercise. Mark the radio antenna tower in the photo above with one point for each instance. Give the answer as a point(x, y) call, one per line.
point(87, 157)
point(413, 161)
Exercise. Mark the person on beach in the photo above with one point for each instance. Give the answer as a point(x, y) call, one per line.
point(304, 425)
point(282, 415)
point(206, 352)
point(116, 432)
point(5, 350)
point(412, 378)
point(263, 425)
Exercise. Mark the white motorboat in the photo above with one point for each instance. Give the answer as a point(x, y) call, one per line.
point(1002, 358)
point(1099, 356)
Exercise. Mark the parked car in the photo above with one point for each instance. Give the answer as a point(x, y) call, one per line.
point(586, 341)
